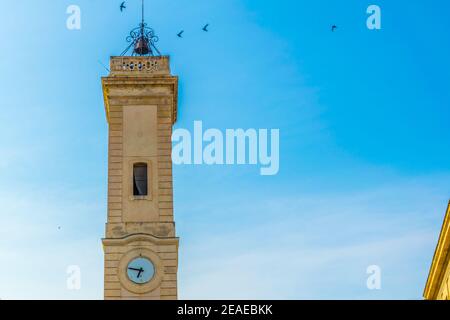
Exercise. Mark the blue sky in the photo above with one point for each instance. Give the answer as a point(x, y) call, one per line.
point(364, 145)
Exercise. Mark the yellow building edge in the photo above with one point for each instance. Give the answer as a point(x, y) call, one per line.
point(438, 282)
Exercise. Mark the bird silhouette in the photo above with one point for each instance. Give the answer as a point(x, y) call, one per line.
point(333, 28)
point(205, 28)
point(180, 34)
point(122, 6)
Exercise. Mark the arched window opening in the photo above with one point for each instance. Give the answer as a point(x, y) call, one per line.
point(140, 172)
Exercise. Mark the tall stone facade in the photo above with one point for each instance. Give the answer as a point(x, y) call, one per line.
point(140, 244)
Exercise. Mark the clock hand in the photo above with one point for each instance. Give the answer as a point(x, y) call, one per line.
point(140, 271)
point(134, 269)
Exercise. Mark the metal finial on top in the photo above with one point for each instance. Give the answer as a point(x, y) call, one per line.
point(142, 12)
point(142, 39)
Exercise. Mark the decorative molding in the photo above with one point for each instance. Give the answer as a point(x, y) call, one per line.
point(140, 237)
point(139, 65)
point(112, 82)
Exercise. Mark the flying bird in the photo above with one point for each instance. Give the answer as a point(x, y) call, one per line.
point(333, 28)
point(122, 6)
point(180, 34)
point(205, 28)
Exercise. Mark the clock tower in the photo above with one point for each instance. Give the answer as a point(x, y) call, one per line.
point(140, 244)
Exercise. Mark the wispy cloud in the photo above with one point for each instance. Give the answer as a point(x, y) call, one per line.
point(42, 233)
point(317, 246)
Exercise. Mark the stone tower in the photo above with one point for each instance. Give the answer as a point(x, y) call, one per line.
point(140, 245)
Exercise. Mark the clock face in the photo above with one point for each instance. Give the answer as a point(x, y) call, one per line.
point(140, 270)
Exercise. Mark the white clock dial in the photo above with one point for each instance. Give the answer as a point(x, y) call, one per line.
point(140, 270)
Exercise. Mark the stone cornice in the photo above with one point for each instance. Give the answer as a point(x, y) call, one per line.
point(140, 237)
point(440, 260)
point(151, 71)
